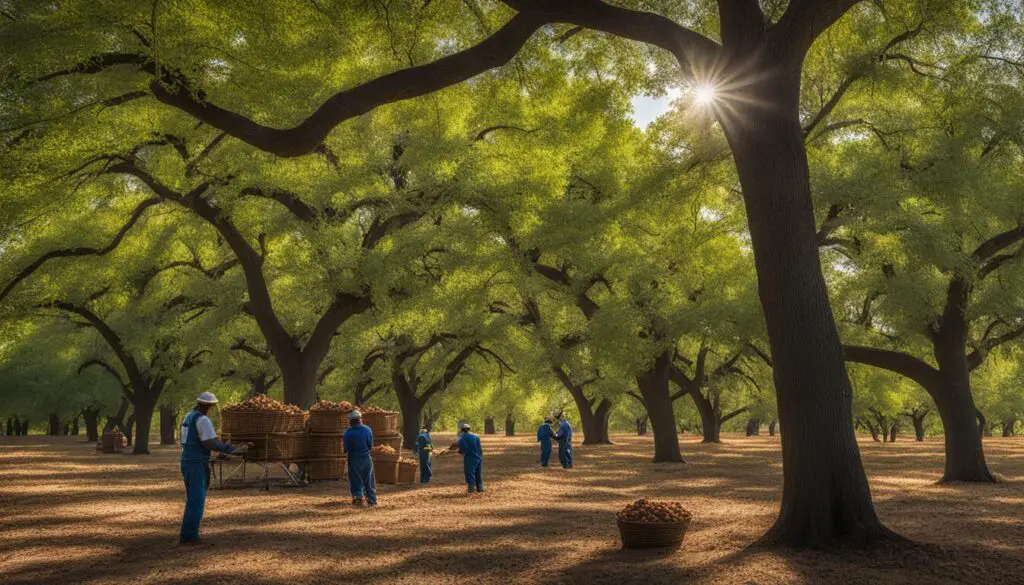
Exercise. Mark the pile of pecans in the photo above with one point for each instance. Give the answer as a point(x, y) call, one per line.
point(262, 403)
point(369, 409)
point(327, 405)
point(644, 510)
point(383, 450)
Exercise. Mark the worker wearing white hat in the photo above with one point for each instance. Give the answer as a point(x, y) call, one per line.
point(358, 442)
point(198, 438)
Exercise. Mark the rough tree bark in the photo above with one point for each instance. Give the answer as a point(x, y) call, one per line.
point(654, 388)
point(54, 425)
point(1009, 427)
point(594, 413)
point(168, 424)
point(510, 426)
point(641, 425)
point(129, 425)
point(771, 427)
point(489, 425)
point(92, 420)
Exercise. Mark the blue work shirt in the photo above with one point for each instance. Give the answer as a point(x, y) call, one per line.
point(358, 441)
point(192, 449)
point(545, 433)
point(423, 443)
point(564, 432)
point(469, 446)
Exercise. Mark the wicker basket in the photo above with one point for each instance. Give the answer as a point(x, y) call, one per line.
point(395, 441)
point(261, 423)
point(327, 421)
point(407, 471)
point(112, 442)
point(274, 446)
point(652, 534)
point(385, 469)
point(326, 468)
point(325, 445)
point(381, 423)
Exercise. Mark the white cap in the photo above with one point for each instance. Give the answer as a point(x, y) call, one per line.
point(207, 398)
point(465, 426)
point(354, 415)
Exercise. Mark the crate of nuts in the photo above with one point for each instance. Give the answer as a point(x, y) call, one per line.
point(650, 524)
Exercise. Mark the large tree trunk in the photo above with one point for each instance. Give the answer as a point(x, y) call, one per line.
point(1008, 427)
point(74, 426)
point(54, 429)
point(825, 498)
point(510, 426)
point(143, 415)
point(24, 428)
point(771, 428)
point(892, 432)
point(489, 425)
point(753, 427)
point(412, 411)
point(10, 426)
point(299, 383)
point(129, 428)
point(593, 420)
point(918, 427)
point(965, 456)
point(92, 421)
point(641, 425)
point(710, 422)
point(168, 421)
point(654, 389)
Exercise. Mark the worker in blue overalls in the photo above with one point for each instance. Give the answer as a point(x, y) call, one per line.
point(198, 439)
point(358, 441)
point(564, 438)
point(424, 447)
point(472, 459)
point(544, 434)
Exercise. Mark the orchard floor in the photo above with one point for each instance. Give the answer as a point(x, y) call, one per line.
point(70, 515)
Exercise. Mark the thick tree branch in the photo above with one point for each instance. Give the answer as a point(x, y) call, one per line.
point(81, 251)
point(898, 362)
point(742, 23)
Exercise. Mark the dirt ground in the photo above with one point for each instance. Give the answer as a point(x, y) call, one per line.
point(70, 515)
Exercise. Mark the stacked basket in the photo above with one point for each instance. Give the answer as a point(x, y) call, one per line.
point(327, 424)
point(384, 425)
point(385, 463)
point(277, 431)
point(407, 470)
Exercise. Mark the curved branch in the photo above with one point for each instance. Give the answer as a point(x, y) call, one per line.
point(125, 389)
point(81, 251)
point(413, 82)
point(898, 362)
point(135, 376)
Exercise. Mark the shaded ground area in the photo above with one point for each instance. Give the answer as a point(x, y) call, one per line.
point(73, 516)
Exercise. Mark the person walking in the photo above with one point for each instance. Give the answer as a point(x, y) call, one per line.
point(198, 439)
point(357, 442)
point(472, 459)
point(564, 438)
point(424, 447)
point(544, 434)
